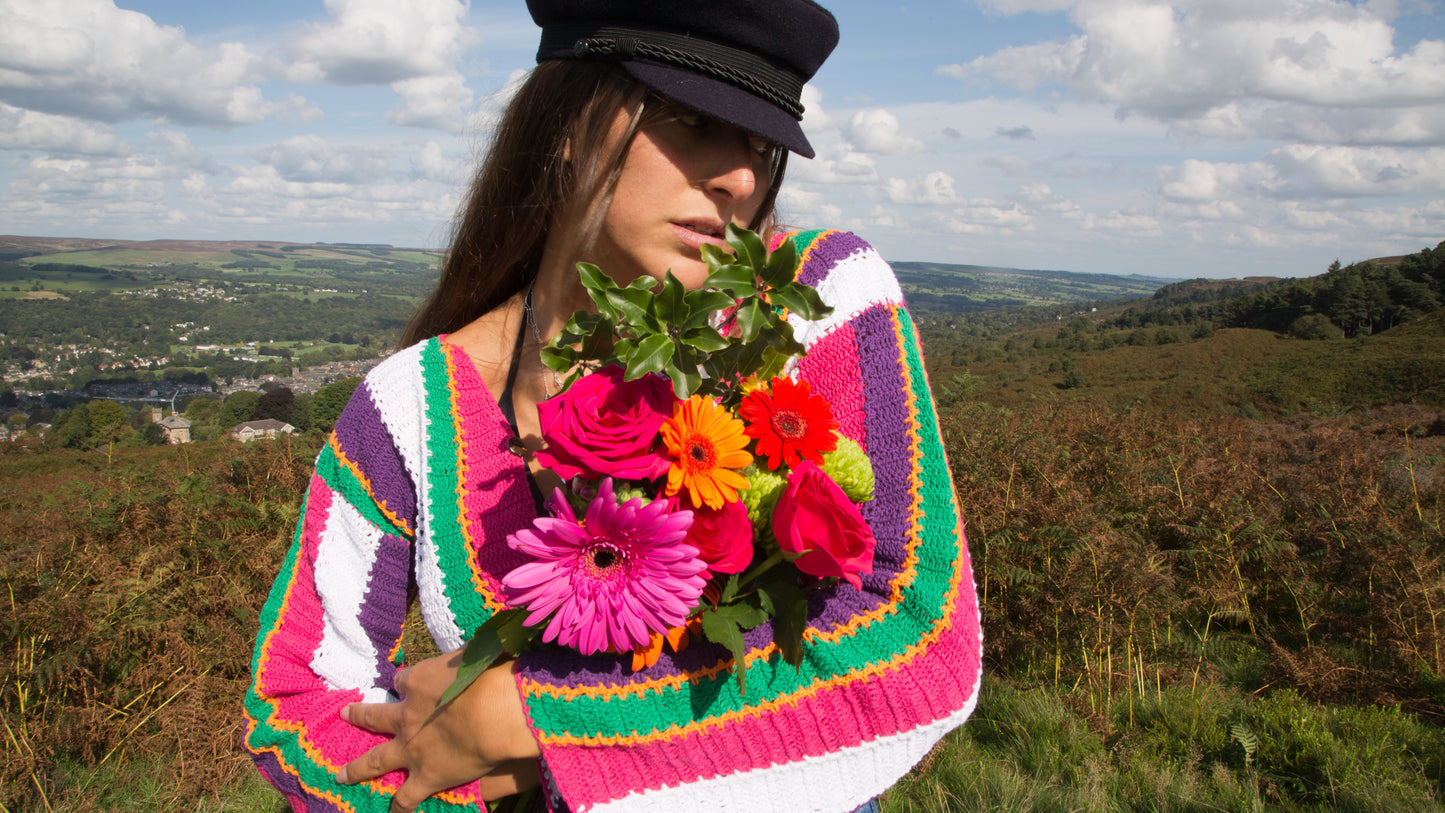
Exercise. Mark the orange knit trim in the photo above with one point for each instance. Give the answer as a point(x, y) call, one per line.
point(906, 575)
point(335, 444)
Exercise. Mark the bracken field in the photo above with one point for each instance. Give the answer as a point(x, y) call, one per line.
point(1237, 606)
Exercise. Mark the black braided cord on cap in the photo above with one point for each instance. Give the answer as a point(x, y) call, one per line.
point(745, 70)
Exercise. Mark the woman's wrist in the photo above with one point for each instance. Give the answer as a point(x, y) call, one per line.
point(503, 715)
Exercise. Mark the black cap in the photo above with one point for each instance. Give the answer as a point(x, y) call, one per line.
point(740, 61)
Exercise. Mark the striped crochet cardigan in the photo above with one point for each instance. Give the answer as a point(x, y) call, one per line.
point(416, 492)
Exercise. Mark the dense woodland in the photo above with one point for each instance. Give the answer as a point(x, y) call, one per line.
point(1210, 557)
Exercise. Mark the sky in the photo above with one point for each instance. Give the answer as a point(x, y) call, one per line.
point(1195, 138)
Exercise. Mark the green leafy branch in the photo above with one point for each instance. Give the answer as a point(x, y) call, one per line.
point(651, 327)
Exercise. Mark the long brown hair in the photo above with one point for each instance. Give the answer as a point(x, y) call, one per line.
point(546, 165)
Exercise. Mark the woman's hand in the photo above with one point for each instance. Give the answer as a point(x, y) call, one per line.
point(482, 734)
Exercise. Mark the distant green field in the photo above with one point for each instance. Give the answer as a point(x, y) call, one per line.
point(969, 288)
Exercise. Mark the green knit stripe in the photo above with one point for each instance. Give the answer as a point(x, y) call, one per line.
point(343, 480)
point(446, 455)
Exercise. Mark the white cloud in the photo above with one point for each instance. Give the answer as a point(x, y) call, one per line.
point(382, 42)
point(815, 119)
point(795, 204)
point(985, 217)
point(1355, 172)
point(29, 130)
point(878, 131)
point(1010, 164)
point(91, 60)
point(1124, 224)
point(1194, 180)
point(438, 102)
point(1195, 62)
point(847, 168)
point(932, 189)
point(311, 159)
point(433, 164)
point(1041, 198)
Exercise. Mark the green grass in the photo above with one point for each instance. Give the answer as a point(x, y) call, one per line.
point(157, 784)
point(1211, 749)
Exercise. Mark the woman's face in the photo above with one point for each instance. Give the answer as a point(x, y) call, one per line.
point(684, 178)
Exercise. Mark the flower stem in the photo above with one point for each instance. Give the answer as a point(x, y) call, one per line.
point(766, 565)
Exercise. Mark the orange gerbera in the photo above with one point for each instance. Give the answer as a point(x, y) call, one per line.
point(707, 445)
point(789, 423)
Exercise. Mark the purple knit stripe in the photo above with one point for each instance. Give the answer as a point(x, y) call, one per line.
point(890, 442)
point(364, 440)
point(289, 785)
point(889, 447)
point(825, 252)
point(384, 603)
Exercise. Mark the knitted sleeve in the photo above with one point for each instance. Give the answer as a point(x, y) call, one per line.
point(887, 671)
point(331, 627)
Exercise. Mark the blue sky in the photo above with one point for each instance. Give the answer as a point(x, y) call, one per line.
point(1212, 138)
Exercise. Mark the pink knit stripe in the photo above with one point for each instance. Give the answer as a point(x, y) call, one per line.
point(301, 701)
point(936, 683)
point(827, 368)
point(300, 621)
point(490, 485)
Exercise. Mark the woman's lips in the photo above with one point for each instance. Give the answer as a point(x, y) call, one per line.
point(697, 235)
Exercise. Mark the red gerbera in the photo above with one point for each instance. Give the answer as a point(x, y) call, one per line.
point(789, 423)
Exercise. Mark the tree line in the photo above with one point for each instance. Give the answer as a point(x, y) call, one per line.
point(100, 423)
point(1360, 299)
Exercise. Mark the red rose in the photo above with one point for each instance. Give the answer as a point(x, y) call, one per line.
point(815, 518)
point(603, 426)
point(723, 536)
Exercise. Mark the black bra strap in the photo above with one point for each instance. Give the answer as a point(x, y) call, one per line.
point(509, 411)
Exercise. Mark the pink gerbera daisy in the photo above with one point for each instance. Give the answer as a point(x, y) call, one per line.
point(610, 580)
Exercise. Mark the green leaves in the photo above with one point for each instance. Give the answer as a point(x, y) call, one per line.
point(502, 634)
point(785, 602)
point(652, 327)
point(724, 625)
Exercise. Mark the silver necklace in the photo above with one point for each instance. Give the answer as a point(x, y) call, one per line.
point(527, 313)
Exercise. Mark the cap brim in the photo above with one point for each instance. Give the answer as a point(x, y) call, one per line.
point(723, 102)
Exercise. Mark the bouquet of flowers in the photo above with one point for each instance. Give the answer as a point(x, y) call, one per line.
point(707, 491)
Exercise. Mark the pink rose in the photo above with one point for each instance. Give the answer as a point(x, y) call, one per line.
point(723, 536)
point(815, 518)
point(604, 426)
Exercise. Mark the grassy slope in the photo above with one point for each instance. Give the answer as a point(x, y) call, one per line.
point(1231, 370)
point(1199, 593)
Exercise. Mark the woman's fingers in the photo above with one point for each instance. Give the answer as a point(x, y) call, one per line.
point(509, 778)
point(411, 793)
point(381, 760)
point(383, 718)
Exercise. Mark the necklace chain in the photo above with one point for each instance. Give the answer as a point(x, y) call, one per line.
point(529, 315)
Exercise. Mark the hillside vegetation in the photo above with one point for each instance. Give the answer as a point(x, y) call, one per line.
point(1210, 560)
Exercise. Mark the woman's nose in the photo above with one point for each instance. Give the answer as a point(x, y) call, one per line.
point(735, 175)
point(737, 184)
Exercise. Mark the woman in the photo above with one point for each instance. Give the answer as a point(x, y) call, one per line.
point(630, 146)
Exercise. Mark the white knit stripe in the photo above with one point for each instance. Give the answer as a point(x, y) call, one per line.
point(398, 389)
point(854, 284)
point(398, 392)
point(837, 782)
point(346, 657)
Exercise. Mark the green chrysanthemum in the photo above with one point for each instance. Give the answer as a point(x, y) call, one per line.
point(764, 488)
point(850, 469)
